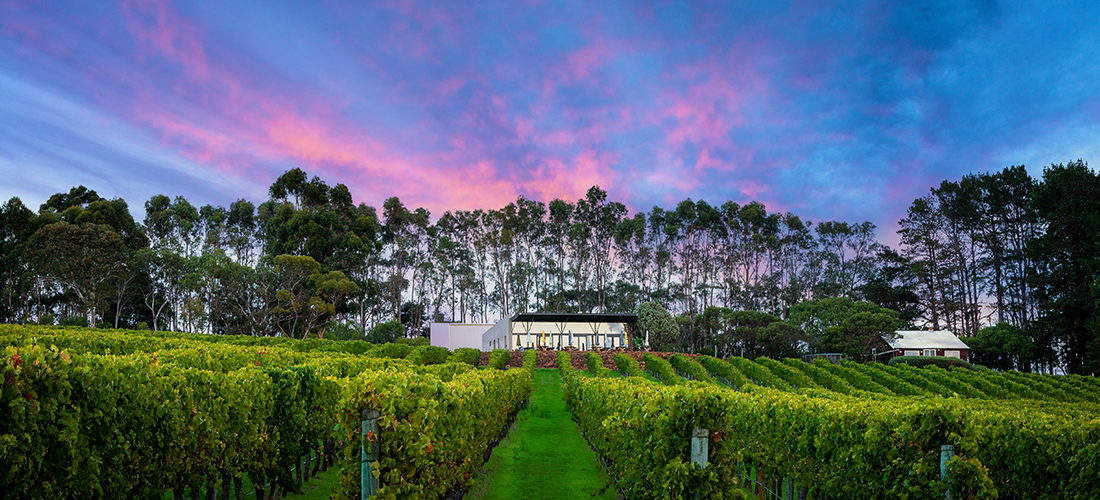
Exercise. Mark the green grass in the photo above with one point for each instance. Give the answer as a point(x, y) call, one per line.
point(544, 455)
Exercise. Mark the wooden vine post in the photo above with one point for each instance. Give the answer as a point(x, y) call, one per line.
point(369, 449)
point(699, 448)
point(947, 452)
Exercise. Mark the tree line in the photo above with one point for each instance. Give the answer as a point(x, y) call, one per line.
point(988, 254)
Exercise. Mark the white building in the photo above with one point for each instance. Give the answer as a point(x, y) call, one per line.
point(455, 335)
point(558, 330)
point(929, 343)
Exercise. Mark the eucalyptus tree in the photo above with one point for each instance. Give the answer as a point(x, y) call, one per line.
point(498, 239)
point(634, 259)
point(83, 258)
point(398, 235)
point(556, 241)
point(243, 234)
point(17, 224)
point(599, 218)
point(925, 245)
point(848, 252)
point(529, 227)
point(753, 233)
point(660, 233)
point(796, 263)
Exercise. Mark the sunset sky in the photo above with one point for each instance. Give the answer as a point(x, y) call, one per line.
point(830, 110)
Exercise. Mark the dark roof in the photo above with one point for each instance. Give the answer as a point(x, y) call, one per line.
point(573, 318)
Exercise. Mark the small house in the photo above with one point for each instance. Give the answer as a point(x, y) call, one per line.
point(928, 343)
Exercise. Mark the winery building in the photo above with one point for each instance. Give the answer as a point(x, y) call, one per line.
point(928, 343)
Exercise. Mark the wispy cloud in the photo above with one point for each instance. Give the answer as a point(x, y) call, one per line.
point(831, 110)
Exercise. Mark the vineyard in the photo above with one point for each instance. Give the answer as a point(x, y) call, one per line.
point(89, 413)
point(846, 430)
point(92, 413)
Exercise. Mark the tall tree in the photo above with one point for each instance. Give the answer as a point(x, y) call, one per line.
point(1068, 258)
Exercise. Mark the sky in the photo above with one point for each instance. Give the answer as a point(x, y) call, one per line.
point(829, 110)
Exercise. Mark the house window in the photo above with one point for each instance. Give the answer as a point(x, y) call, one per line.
point(929, 352)
point(912, 353)
point(952, 354)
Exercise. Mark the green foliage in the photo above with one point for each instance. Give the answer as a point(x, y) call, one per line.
point(413, 342)
point(530, 359)
point(499, 358)
point(595, 364)
point(389, 331)
point(644, 431)
point(73, 321)
point(790, 375)
point(758, 374)
point(428, 355)
point(859, 334)
point(762, 334)
point(1002, 347)
point(819, 375)
point(691, 370)
point(817, 316)
point(468, 355)
point(391, 350)
point(627, 365)
point(940, 361)
point(655, 321)
point(344, 331)
point(1066, 203)
point(661, 369)
point(434, 434)
point(725, 372)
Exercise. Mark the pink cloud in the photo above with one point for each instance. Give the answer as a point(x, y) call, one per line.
point(155, 23)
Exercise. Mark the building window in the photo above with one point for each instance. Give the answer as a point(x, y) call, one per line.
point(929, 352)
point(912, 353)
point(952, 354)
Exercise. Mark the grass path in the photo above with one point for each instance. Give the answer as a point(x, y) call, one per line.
point(544, 455)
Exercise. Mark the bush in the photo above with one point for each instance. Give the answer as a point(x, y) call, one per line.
point(628, 365)
point(940, 361)
point(344, 331)
point(391, 350)
point(73, 321)
point(468, 355)
point(691, 368)
point(428, 355)
point(530, 359)
point(387, 332)
point(595, 364)
point(498, 359)
point(661, 369)
point(660, 325)
point(414, 342)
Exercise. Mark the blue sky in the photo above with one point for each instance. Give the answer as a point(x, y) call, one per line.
point(829, 110)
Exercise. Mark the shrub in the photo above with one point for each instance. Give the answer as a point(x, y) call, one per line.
point(628, 365)
point(73, 321)
point(530, 359)
point(386, 332)
point(414, 342)
point(691, 368)
point(467, 355)
point(660, 325)
point(940, 361)
point(595, 364)
point(498, 359)
point(661, 369)
point(428, 355)
point(391, 350)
